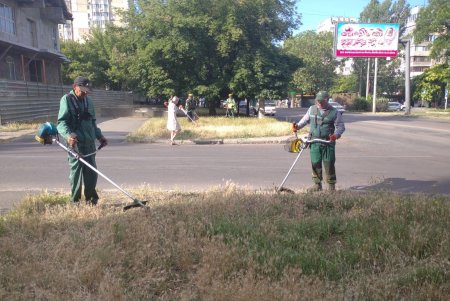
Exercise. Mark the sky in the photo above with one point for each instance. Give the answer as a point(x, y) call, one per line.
point(315, 11)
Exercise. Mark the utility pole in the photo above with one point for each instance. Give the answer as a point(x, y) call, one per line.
point(374, 104)
point(368, 78)
point(407, 45)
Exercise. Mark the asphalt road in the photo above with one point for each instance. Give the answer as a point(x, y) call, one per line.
point(397, 153)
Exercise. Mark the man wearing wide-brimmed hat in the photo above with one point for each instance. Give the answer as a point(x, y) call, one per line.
point(77, 125)
point(325, 122)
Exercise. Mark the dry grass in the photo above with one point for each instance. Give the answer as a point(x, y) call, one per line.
point(229, 244)
point(18, 126)
point(213, 128)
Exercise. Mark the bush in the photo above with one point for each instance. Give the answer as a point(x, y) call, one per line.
point(360, 104)
point(382, 104)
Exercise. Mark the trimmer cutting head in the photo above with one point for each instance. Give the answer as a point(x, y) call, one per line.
point(46, 132)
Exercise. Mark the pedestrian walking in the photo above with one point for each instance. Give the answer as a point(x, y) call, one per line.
point(77, 125)
point(325, 122)
point(172, 122)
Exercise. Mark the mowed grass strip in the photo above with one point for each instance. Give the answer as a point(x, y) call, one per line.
point(228, 244)
point(213, 128)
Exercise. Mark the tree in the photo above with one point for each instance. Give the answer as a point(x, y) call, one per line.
point(434, 19)
point(345, 84)
point(430, 85)
point(212, 47)
point(318, 64)
point(390, 80)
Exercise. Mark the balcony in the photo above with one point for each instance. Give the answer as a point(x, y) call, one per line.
point(54, 14)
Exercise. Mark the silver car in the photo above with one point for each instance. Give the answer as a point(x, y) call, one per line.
point(394, 106)
point(337, 106)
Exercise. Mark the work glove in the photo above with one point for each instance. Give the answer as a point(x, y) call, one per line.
point(333, 137)
point(180, 107)
point(294, 127)
point(103, 142)
point(72, 140)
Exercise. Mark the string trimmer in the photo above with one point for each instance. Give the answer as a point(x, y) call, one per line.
point(47, 134)
point(297, 145)
point(190, 118)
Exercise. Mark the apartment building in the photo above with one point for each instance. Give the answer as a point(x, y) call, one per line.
point(88, 14)
point(419, 52)
point(29, 42)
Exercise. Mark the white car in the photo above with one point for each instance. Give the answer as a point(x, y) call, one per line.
point(394, 106)
point(337, 106)
point(270, 107)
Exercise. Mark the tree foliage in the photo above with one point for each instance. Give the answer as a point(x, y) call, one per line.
point(430, 85)
point(318, 64)
point(390, 79)
point(206, 47)
point(435, 19)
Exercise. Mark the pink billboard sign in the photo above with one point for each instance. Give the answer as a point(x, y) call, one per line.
point(366, 40)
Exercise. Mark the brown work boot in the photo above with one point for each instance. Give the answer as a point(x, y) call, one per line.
point(331, 187)
point(315, 187)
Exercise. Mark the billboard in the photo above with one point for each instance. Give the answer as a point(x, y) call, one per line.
point(366, 40)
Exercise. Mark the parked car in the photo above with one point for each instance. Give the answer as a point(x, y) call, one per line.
point(243, 108)
point(394, 106)
point(338, 106)
point(270, 107)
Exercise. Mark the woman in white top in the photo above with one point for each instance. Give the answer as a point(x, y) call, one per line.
point(172, 123)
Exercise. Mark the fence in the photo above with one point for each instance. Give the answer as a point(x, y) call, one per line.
point(26, 101)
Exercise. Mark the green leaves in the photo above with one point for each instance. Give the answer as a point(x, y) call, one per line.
point(435, 19)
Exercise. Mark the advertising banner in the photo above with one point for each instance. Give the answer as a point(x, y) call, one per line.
point(366, 40)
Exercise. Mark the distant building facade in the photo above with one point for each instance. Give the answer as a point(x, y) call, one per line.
point(419, 52)
point(88, 14)
point(29, 41)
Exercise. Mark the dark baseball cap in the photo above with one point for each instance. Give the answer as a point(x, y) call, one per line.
point(83, 83)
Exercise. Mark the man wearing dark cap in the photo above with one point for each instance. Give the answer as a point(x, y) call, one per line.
point(77, 125)
point(325, 122)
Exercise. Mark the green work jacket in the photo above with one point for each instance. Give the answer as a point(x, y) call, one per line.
point(79, 120)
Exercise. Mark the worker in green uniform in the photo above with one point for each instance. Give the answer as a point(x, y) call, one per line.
point(230, 105)
point(77, 125)
point(190, 108)
point(325, 122)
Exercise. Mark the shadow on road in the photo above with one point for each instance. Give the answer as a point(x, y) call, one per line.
point(403, 185)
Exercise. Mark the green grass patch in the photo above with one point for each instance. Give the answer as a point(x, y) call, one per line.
point(228, 244)
point(213, 128)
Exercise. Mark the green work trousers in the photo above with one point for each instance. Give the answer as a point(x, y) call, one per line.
point(81, 174)
point(323, 155)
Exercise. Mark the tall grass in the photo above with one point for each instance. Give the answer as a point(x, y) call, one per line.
point(213, 128)
point(229, 244)
point(18, 126)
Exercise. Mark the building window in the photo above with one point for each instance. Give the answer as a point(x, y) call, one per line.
point(35, 68)
point(32, 32)
point(421, 48)
point(55, 38)
point(419, 69)
point(7, 23)
point(11, 68)
point(421, 59)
